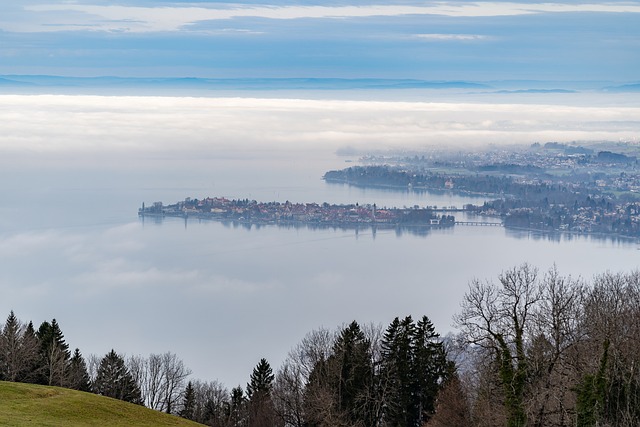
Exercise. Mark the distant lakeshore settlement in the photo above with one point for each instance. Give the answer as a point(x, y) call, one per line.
point(287, 213)
point(555, 188)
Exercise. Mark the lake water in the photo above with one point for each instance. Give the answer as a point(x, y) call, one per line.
point(221, 296)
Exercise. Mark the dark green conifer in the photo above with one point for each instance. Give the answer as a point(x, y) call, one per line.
point(54, 354)
point(351, 373)
point(261, 379)
point(188, 403)
point(414, 366)
point(114, 380)
point(431, 366)
point(237, 410)
point(77, 376)
point(31, 356)
point(10, 357)
point(398, 372)
point(261, 409)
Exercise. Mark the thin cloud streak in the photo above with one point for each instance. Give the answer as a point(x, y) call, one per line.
point(451, 37)
point(157, 19)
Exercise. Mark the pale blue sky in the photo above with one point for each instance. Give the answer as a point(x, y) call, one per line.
point(346, 39)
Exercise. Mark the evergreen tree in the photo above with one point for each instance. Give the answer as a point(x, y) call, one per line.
point(114, 380)
point(237, 412)
point(188, 403)
point(431, 368)
point(261, 379)
point(413, 367)
point(77, 376)
point(261, 409)
point(319, 400)
point(30, 350)
point(350, 374)
point(397, 371)
point(54, 354)
point(10, 343)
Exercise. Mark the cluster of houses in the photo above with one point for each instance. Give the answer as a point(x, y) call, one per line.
point(251, 211)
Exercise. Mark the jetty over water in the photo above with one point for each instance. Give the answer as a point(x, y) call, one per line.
point(480, 223)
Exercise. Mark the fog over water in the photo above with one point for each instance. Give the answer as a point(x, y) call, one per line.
point(75, 169)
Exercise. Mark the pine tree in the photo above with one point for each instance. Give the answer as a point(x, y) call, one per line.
point(350, 374)
point(10, 341)
point(261, 409)
point(261, 379)
point(413, 367)
point(77, 376)
point(30, 348)
point(236, 412)
point(54, 354)
point(398, 372)
point(431, 367)
point(114, 380)
point(188, 403)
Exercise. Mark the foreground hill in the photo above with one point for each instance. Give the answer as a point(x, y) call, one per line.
point(33, 405)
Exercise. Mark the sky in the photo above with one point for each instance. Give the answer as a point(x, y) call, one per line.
point(455, 40)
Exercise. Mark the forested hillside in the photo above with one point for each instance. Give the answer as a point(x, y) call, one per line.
point(532, 349)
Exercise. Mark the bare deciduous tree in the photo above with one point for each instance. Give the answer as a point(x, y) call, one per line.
point(498, 318)
point(161, 378)
point(293, 377)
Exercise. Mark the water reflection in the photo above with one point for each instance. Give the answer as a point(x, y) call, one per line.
point(414, 230)
point(563, 236)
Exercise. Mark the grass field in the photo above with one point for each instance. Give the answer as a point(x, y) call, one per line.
point(33, 405)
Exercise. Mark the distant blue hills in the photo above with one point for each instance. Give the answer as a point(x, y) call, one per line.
point(38, 83)
point(235, 83)
point(632, 87)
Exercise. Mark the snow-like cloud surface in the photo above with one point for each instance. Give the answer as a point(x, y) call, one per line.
point(72, 16)
point(129, 127)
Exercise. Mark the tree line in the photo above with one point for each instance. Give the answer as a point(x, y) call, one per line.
point(531, 349)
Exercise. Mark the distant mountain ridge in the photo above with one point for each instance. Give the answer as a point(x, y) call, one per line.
point(61, 83)
point(236, 83)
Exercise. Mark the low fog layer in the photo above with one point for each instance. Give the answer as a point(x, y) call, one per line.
point(88, 126)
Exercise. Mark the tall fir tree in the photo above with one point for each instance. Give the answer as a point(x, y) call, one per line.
point(31, 355)
point(261, 379)
point(431, 366)
point(114, 380)
point(414, 365)
point(78, 376)
point(188, 402)
point(351, 372)
point(398, 371)
point(237, 409)
point(10, 343)
point(261, 408)
point(54, 354)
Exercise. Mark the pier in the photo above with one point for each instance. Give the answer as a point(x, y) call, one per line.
point(480, 223)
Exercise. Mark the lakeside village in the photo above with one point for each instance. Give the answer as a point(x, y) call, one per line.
point(591, 188)
point(287, 213)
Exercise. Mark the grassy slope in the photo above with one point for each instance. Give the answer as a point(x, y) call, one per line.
point(32, 405)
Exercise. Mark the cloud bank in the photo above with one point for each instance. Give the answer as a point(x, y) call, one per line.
point(175, 18)
point(96, 127)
